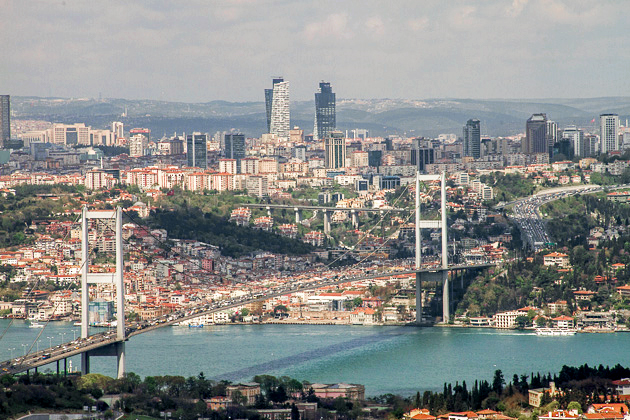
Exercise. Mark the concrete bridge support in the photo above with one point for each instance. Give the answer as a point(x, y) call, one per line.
point(268, 211)
point(298, 216)
point(327, 215)
point(355, 219)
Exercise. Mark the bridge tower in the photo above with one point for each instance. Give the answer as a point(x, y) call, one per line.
point(442, 273)
point(117, 349)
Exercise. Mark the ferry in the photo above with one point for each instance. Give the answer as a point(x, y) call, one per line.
point(35, 324)
point(555, 331)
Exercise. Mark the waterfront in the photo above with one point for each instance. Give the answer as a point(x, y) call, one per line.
point(399, 360)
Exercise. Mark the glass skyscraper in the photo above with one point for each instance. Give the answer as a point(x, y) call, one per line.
point(325, 112)
point(472, 139)
point(235, 148)
point(197, 150)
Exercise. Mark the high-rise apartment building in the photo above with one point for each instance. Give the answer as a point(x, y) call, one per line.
point(197, 150)
point(536, 140)
point(277, 105)
point(5, 120)
point(325, 112)
point(609, 132)
point(576, 137)
point(472, 138)
point(335, 150)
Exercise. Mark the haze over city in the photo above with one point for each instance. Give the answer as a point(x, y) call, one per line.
point(202, 51)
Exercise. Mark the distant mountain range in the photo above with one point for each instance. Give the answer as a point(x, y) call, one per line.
point(430, 117)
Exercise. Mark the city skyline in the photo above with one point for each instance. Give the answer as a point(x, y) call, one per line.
point(135, 51)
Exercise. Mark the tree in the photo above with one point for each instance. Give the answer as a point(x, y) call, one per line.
point(295, 414)
point(498, 382)
point(574, 405)
point(521, 322)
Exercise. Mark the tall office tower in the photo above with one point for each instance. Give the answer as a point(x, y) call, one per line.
point(5, 120)
point(472, 138)
point(197, 150)
point(335, 150)
point(325, 113)
point(609, 132)
point(277, 103)
point(576, 137)
point(536, 140)
point(235, 148)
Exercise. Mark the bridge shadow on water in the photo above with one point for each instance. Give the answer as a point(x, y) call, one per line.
point(319, 353)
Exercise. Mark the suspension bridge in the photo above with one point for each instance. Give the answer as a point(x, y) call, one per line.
point(112, 343)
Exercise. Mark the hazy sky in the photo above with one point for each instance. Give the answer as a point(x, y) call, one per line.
point(198, 51)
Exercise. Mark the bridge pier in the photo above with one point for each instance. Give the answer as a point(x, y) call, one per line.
point(268, 211)
point(355, 219)
point(85, 364)
point(327, 214)
point(298, 216)
point(120, 356)
point(446, 304)
point(418, 298)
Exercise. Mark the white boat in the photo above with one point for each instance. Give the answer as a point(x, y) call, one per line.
point(35, 324)
point(555, 331)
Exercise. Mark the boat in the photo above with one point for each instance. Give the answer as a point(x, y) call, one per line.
point(555, 331)
point(195, 325)
point(35, 324)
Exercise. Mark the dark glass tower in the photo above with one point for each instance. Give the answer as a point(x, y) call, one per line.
point(536, 140)
point(325, 113)
point(197, 150)
point(235, 148)
point(472, 139)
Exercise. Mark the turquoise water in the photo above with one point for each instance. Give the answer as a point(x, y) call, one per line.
point(400, 360)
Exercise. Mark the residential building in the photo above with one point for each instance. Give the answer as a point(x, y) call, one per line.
point(556, 259)
point(325, 112)
point(505, 319)
point(249, 390)
point(609, 133)
point(332, 391)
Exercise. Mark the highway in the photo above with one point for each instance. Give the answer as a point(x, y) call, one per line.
point(526, 212)
point(81, 345)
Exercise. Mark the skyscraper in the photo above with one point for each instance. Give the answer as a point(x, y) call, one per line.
point(609, 132)
point(536, 140)
point(335, 150)
point(472, 138)
point(277, 105)
point(325, 112)
point(197, 150)
point(235, 148)
point(5, 120)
